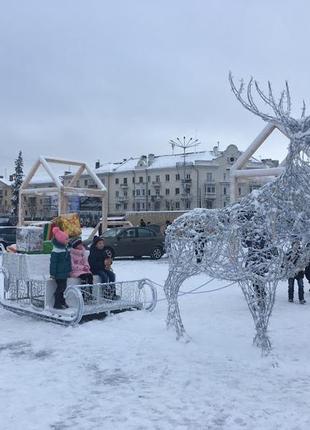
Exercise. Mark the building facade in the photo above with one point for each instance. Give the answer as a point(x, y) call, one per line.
point(172, 182)
point(5, 196)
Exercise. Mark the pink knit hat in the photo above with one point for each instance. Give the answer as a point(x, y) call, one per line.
point(60, 235)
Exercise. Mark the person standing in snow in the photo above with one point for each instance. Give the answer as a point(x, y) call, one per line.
point(293, 257)
point(60, 265)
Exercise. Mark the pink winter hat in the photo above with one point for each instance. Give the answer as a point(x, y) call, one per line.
point(60, 235)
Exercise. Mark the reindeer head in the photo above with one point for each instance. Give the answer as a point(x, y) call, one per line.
point(280, 111)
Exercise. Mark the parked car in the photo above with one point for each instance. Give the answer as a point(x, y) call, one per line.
point(134, 242)
point(7, 235)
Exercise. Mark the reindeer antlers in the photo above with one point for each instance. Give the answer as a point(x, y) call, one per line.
point(282, 114)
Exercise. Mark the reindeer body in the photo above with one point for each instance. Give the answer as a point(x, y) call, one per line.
point(247, 241)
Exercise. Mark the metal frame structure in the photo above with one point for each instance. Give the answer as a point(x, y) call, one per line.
point(259, 241)
point(28, 291)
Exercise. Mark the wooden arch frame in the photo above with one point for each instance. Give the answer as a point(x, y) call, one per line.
point(237, 170)
point(60, 189)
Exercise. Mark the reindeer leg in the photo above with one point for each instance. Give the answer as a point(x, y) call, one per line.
point(171, 288)
point(260, 299)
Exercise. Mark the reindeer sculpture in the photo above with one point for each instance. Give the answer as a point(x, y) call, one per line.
point(247, 242)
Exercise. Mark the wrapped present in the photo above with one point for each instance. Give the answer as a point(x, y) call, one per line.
point(69, 223)
point(29, 239)
point(48, 230)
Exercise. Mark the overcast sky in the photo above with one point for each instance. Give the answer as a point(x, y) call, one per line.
point(96, 79)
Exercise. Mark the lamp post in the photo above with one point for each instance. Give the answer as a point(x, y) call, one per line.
point(184, 143)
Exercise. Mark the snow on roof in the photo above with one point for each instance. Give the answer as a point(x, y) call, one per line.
point(157, 162)
point(6, 182)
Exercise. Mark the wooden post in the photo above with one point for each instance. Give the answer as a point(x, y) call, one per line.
point(104, 220)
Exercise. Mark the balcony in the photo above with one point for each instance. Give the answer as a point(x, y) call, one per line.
point(156, 198)
point(124, 185)
point(139, 198)
point(121, 199)
point(156, 184)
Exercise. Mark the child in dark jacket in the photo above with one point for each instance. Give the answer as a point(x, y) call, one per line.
point(100, 262)
point(60, 265)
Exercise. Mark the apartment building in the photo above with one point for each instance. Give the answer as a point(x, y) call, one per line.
point(172, 182)
point(5, 196)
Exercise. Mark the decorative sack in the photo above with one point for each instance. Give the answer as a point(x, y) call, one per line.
point(69, 223)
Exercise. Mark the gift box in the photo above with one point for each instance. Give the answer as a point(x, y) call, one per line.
point(47, 232)
point(69, 223)
point(29, 239)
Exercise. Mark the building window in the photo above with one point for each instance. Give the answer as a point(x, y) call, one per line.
point(85, 182)
point(188, 205)
point(143, 192)
point(167, 178)
point(141, 179)
point(210, 189)
point(177, 191)
point(239, 191)
point(167, 191)
point(133, 207)
point(143, 206)
point(224, 191)
point(116, 181)
point(125, 193)
point(224, 176)
point(125, 205)
point(138, 206)
point(116, 193)
point(177, 205)
point(157, 179)
point(125, 181)
point(188, 176)
point(209, 177)
point(133, 179)
point(133, 193)
point(177, 177)
point(149, 179)
point(209, 204)
point(148, 192)
point(157, 192)
point(137, 192)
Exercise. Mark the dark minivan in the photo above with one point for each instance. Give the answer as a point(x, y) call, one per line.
point(134, 242)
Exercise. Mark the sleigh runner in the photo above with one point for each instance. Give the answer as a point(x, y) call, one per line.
point(28, 291)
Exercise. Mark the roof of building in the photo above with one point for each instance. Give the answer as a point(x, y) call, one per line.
point(157, 161)
point(165, 161)
point(6, 182)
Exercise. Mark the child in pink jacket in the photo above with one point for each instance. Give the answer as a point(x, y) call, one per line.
point(79, 263)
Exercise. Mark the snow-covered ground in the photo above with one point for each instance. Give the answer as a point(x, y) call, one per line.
point(128, 372)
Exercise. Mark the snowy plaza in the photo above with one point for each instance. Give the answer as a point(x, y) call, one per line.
point(128, 372)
